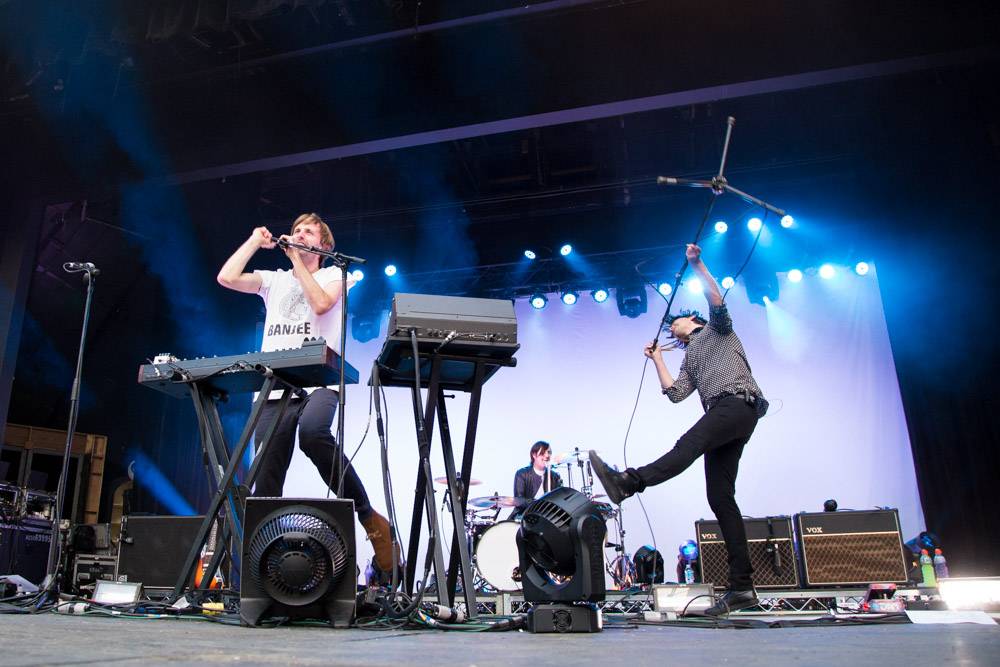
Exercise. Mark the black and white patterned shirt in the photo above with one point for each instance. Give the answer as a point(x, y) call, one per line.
point(714, 363)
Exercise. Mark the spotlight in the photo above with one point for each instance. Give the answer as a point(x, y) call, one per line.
point(631, 301)
point(390, 270)
point(298, 560)
point(794, 276)
point(861, 268)
point(600, 295)
point(358, 275)
point(721, 227)
point(565, 250)
point(538, 301)
point(366, 324)
point(787, 221)
point(665, 289)
point(694, 285)
point(530, 254)
point(754, 224)
point(569, 298)
point(562, 533)
point(827, 271)
point(728, 282)
point(648, 566)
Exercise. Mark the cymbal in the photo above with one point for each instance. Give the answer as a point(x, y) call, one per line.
point(598, 495)
point(444, 480)
point(492, 501)
point(575, 455)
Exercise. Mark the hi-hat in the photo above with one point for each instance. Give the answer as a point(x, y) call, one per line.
point(493, 501)
point(444, 480)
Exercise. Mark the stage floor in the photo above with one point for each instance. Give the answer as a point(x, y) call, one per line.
point(50, 639)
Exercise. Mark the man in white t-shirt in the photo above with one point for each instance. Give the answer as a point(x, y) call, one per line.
point(304, 302)
point(535, 480)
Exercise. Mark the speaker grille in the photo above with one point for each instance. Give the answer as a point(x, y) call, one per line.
point(853, 558)
point(715, 564)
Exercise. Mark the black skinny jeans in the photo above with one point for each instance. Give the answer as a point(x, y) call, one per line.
point(312, 416)
point(720, 436)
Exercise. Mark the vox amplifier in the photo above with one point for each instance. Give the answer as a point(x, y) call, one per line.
point(772, 552)
point(851, 547)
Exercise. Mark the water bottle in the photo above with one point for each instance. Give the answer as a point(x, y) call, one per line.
point(940, 565)
point(688, 573)
point(927, 568)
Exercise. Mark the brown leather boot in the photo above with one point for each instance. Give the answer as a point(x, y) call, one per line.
point(377, 527)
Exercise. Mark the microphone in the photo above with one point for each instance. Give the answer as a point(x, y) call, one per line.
point(76, 267)
point(79, 266)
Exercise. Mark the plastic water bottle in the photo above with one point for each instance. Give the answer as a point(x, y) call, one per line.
point(940, 565)
point(927, 568)
point(688, 573)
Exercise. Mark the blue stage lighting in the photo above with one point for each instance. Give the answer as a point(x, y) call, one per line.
point(728, 282)
point(665, 289)
point(794, 276)
point(827, 271)
point(754, 224)
point(538, 301)
point(600, 295)
point(694, 285)
point(358, 275)
point(390, 270)
point(787, 221)
point(721, 227)
point(530, 254)
point(569, 298)
point(861, 268)
point(565, 250)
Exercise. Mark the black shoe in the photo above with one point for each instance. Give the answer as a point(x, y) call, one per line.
point(732, 601)
point(619, 485)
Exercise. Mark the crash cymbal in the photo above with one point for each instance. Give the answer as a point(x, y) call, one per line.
point(492, 501)
point(444, 480)
point(571, 457)
point(598, 495)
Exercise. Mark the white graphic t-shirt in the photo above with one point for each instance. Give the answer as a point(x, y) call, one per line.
point(289, 319)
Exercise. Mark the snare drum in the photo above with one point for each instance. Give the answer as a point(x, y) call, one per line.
point(496, 556)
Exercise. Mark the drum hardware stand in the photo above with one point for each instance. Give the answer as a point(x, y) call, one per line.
point(620, 568)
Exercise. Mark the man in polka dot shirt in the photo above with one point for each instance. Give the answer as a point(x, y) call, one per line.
point(716, 365)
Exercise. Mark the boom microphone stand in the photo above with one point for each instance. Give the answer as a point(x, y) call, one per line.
point(51, 584)
point(341, 261)
point(719, 186)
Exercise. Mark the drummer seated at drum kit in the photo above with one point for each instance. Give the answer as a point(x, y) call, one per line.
point(535, 480)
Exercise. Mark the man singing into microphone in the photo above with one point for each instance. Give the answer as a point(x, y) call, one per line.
point(716, 365)
point(304, 302)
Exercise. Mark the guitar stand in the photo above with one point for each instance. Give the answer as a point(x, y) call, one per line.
point(221, 468)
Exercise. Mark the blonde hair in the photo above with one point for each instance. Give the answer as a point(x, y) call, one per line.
point(325, 235)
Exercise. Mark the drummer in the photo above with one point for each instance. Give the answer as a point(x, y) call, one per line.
point(535, 480)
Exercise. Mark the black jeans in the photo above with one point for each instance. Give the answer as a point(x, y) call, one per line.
point(720, 436)
point(312, 417)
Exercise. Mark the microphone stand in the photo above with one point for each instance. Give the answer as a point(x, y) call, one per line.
point(341, 261)
point(51, 584)
point(719, 186)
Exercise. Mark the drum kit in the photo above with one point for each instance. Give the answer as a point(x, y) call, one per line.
point(492, 540)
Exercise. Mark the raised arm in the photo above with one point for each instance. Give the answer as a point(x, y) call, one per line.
point(233, 273)
point(712, 291)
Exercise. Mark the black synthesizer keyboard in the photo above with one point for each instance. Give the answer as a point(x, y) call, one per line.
point(312, 365)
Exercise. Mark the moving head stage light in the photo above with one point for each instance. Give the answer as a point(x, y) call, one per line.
point(298, 560)
point(560, 547)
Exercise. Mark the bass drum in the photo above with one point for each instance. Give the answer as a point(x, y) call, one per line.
point(496, 556)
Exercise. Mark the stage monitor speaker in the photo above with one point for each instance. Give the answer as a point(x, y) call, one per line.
point(24, 548)
point(299, 560)
point(772, 552)
point(851, 547)
point(152, 549)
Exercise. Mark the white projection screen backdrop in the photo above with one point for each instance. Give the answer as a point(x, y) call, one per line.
point(821, 353)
